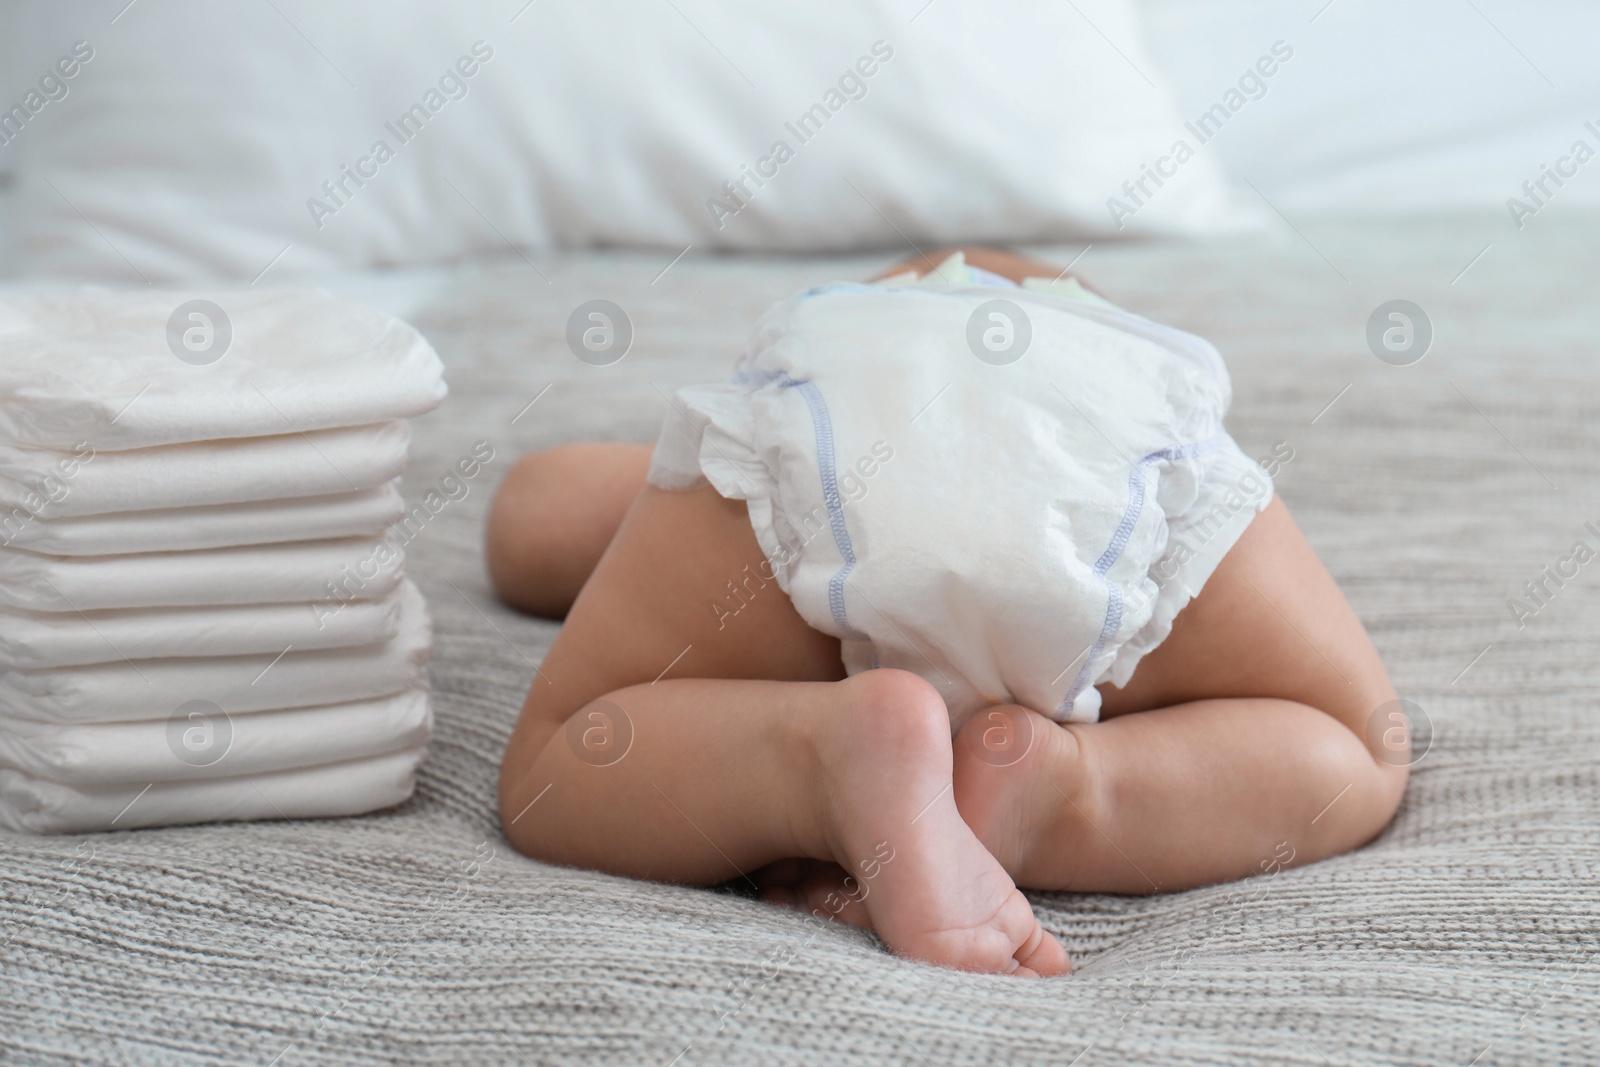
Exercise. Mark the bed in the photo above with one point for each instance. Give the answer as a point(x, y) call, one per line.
point(1465, 933)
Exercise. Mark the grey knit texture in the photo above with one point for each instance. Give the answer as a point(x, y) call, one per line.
point(1467, 933)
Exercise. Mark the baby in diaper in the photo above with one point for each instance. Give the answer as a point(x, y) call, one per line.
point(958, 585)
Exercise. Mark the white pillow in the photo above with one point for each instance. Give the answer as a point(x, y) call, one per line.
point(198, 139)
point(1397, 108)
point(11, 87)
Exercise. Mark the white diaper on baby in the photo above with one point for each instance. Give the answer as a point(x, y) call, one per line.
point(1003, 529)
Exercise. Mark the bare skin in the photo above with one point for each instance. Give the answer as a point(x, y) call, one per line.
point(576, 497)
point(1240, 744)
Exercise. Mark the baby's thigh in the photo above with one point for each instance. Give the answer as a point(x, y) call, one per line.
point(1270, 622)
point(682, 592)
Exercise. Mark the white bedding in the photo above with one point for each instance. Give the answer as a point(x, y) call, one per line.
point(1465, 925)
point(1413, 107)
point(470, 127)
point(1420, 106)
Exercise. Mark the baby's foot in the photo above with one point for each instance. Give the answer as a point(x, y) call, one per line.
point(1014, 771)
point(930, 888)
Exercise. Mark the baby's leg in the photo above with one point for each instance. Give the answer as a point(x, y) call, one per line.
point(553, 516)
point(653, 743)
point(999, 261)
point(1240, 744)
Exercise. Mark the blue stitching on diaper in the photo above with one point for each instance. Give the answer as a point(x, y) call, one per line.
point(822, 424)
point(1113, 552)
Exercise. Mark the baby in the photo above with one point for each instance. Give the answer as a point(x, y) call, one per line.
point(958, 586)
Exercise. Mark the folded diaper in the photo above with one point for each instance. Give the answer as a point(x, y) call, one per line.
point(219, 744)
point(203, 613)
point(254, 574)
point(995, 519)
point(32, 639)
point(92, 482)
point(120, 369)
point(150, 689)
point(366, 513)
point(35, 805)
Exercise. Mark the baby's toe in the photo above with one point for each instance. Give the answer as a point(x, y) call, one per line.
point(1042, 956)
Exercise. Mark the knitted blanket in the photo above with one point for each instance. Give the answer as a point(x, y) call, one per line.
point(1438, 494)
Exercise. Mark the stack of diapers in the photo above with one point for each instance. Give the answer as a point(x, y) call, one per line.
point(203, 615)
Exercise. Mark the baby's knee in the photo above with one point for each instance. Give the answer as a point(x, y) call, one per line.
point(513, 517)
point(535, 475)
point(553, 515)
point(1363, 789)
point(901, 710)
